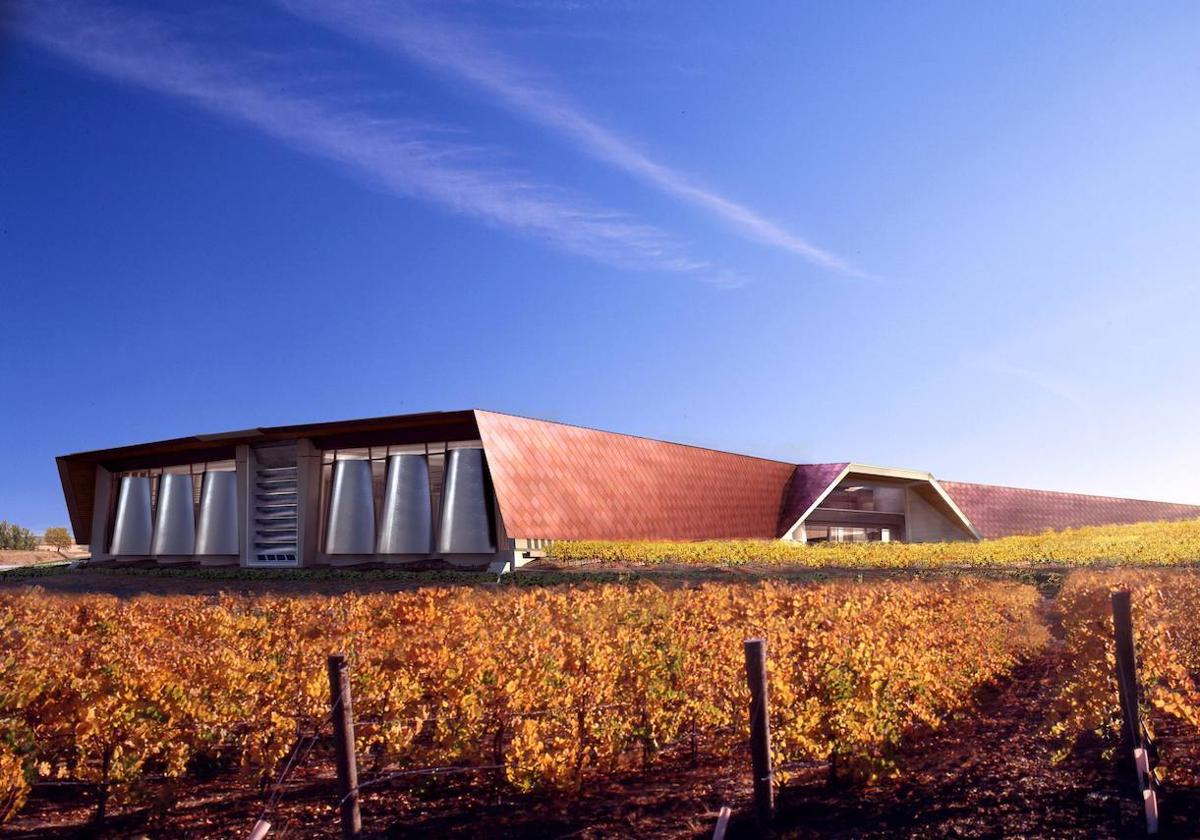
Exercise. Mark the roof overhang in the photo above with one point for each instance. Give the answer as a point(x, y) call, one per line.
point(922, 482)
point(78, 471)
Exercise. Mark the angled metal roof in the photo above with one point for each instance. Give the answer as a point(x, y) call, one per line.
point(1006, 511)
point(556, 481)
point(809, 484)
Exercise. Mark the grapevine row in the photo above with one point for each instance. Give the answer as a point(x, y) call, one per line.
point(1167, 640)
point(557, 685)
point(1148, 544)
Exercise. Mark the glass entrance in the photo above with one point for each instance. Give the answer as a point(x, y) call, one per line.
point(846, 533)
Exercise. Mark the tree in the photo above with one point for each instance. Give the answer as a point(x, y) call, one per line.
point(59, 538)
point(15, 538)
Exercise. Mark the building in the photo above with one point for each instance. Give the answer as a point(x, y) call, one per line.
point(478, 488)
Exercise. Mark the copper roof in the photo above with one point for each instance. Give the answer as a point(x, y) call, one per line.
point(806, 486)
point(566, 482)
point(1005, 511)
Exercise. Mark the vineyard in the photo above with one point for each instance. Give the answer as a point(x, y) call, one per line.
point(1149, 544)
point(1168, 649)
point(555, 685)
point(552, 690)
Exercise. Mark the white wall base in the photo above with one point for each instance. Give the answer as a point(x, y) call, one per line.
point(508, 561)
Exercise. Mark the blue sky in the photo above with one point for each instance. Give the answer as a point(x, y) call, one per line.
point(955, 237)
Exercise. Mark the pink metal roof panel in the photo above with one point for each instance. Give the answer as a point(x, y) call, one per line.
point(1005, 511)
point(807, 484)
point(555, 481)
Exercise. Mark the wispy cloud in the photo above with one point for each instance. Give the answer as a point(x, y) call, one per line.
point(406, 159)
point(1055, 386)
point(467, 57)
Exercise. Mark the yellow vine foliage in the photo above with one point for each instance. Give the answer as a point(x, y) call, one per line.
point(13, 784)
point(555, 684)
point(1145, 544)
point(1167, 642)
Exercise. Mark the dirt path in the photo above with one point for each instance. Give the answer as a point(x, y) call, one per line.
point(990, 773)
point(128, 585)
point(986, 774)
point(131, 582)
point(15, 559)
point(674, 799)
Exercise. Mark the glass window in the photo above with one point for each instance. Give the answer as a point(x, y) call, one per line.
point(816, 533)
point(851, 497)
point(360, 454)
point(846, 534)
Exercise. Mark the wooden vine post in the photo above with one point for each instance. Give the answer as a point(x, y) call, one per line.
point(1127, 691)
point(341, 713)
point(1126, 667)
point(760, 733)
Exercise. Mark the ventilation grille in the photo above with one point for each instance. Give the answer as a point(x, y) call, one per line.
point(286, 559)
point(275, 515)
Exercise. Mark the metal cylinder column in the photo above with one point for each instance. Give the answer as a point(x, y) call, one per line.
point(175, 520)
point(217, 531)
point(132, 529)
point(466, 526)
point(406, 524)
point(351, 527)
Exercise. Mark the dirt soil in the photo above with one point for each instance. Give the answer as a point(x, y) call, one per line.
point(675, 800)
point(987, 773)
point(84, 581)
point(1046, 577)
point(35, 558)
point(129, 583)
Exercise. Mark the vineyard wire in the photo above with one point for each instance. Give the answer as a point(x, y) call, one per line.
point(277, 790)
point(424, 771)
point(292, 763)
point(509, 716)
point(287, 825)
point(437, 771)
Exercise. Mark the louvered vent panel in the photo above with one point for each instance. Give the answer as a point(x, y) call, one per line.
point(275, 501)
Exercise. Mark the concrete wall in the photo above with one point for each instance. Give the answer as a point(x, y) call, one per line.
point(925, 524)
point(100, 508)
point(308, 509)
point(890, 499)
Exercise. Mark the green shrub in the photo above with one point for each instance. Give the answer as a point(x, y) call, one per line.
point(15, 538)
